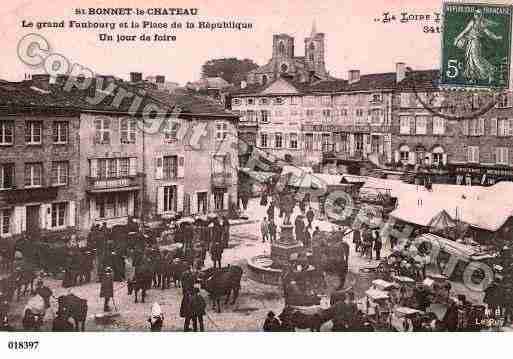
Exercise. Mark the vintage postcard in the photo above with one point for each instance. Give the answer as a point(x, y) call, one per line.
point(195, 166)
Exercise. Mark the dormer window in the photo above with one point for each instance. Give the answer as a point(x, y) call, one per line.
point(278, 101)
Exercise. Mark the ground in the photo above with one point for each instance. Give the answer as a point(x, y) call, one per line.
point(247, 314)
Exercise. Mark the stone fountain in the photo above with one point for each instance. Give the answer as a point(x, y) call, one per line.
point(285, 251)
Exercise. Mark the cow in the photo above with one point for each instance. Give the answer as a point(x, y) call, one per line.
point(297, 319)
point(142, 281)
point(74, 307)
point(221, 281)
point(177, 267)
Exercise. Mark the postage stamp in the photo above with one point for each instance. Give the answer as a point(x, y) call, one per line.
point(476, 45)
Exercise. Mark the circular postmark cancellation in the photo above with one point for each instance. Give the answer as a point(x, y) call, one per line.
point(453, 103)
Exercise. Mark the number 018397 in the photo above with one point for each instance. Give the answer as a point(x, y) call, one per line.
point(23, 345)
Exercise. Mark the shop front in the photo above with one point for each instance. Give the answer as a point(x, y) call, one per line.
point(475, 174)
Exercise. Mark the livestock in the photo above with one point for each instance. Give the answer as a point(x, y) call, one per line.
point(221, 281)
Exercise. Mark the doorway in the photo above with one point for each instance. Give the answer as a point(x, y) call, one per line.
point(202, 202)
point(33, 219)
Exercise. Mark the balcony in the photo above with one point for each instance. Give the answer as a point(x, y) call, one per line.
point(221, 180)
point(118, 184)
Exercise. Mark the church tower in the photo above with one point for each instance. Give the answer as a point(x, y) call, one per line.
point(283, 46)
point(314, 52)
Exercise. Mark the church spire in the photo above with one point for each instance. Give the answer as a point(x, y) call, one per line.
point(314, 30)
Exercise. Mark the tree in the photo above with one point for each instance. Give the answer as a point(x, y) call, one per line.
point(230, 69)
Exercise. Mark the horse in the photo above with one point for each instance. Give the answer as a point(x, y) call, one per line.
point(142, 281)
point(221, 281)
point(298, 319)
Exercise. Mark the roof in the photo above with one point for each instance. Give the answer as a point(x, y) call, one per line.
point(419, 80)
point(27, 95)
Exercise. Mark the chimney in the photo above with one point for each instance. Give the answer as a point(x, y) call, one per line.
point(243, 84)
point(41, 81)
point(136, 76)
point(353, 76)
point(160, 79)
point(400, 71)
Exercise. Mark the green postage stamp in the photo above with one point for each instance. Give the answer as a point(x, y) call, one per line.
point(476, 45)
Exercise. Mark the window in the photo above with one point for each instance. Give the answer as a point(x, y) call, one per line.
point(326, 113)
point(60, 132)
point(295, 100)
point(58, 214)
point(112, 168)
point(33, 174)
point(309, 101)
point(473, 154)
point(170, 167)
point(263, 140)
point(501, 155)
point(503, 127)
point(438, 126)
point(404, 128)
point(326, 140)
point(376, 115)
point(326, 100)
point(236, 101)
point(278, 140)
point(293, 141)
point(405, 99)
point(263, 101)
point(6, 132)
point(264, 115)
point(358, 140)
point(250, 101)
point(281, 48)
point(33, 131)
point(112, 205)
point(284, 68)
point(220, 164)
point(359, 112)
point(309, 141)
point(278, 101)
point(294, 112)
point(170, 199)
point(102, 128)
point(310, 112)
point(343, 112)
point(421, 125)
point(5, 221)
point(476, 127)
point(404, 154)
point(250, 115)
point(60, 171)
point(127, 127)
point(7, 176)
point(437, 156)
point(171, 131)
point(221, 130)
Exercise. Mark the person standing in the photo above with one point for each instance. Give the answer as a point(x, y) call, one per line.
point(225, 232)
point(272, 231)
point(310, 216)
point(107, 289)
point(188, 280)
point(307, 238)
point(186, 310)
point(198, 306)
point(264, 229)
point(216, 253)
point(299, 226)
point(357, 240)
point(270, 211)
point(377, 244)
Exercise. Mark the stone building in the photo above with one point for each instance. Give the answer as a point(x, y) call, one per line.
point(39, 161)
point(284, 61)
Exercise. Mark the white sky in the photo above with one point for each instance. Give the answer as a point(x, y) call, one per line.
point(353, 39)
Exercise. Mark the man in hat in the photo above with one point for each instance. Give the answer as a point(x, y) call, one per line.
point(198, 306)
point(264, 229)
point(5, 326)
point(310, 216)
point(61, 322)
point(43, 291)
point(107, 288)
point(272, 231)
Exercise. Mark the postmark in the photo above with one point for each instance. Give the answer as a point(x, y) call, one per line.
point(476, 46)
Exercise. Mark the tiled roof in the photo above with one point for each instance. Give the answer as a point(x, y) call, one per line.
point(421, 80)
point(27, 95)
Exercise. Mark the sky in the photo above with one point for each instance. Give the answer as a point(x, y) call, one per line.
point(353, 39)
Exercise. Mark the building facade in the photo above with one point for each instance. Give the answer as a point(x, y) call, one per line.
point(39, 164)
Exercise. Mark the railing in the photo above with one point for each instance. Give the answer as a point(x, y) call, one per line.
point(329, 151)
point(95, 183)
point(222, 179)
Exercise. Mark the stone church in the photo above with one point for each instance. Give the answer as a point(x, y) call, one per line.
point(284, 63)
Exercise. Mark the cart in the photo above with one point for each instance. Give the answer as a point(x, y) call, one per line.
point(402, 319)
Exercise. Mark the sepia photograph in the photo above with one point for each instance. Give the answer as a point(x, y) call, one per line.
point(292, 166)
